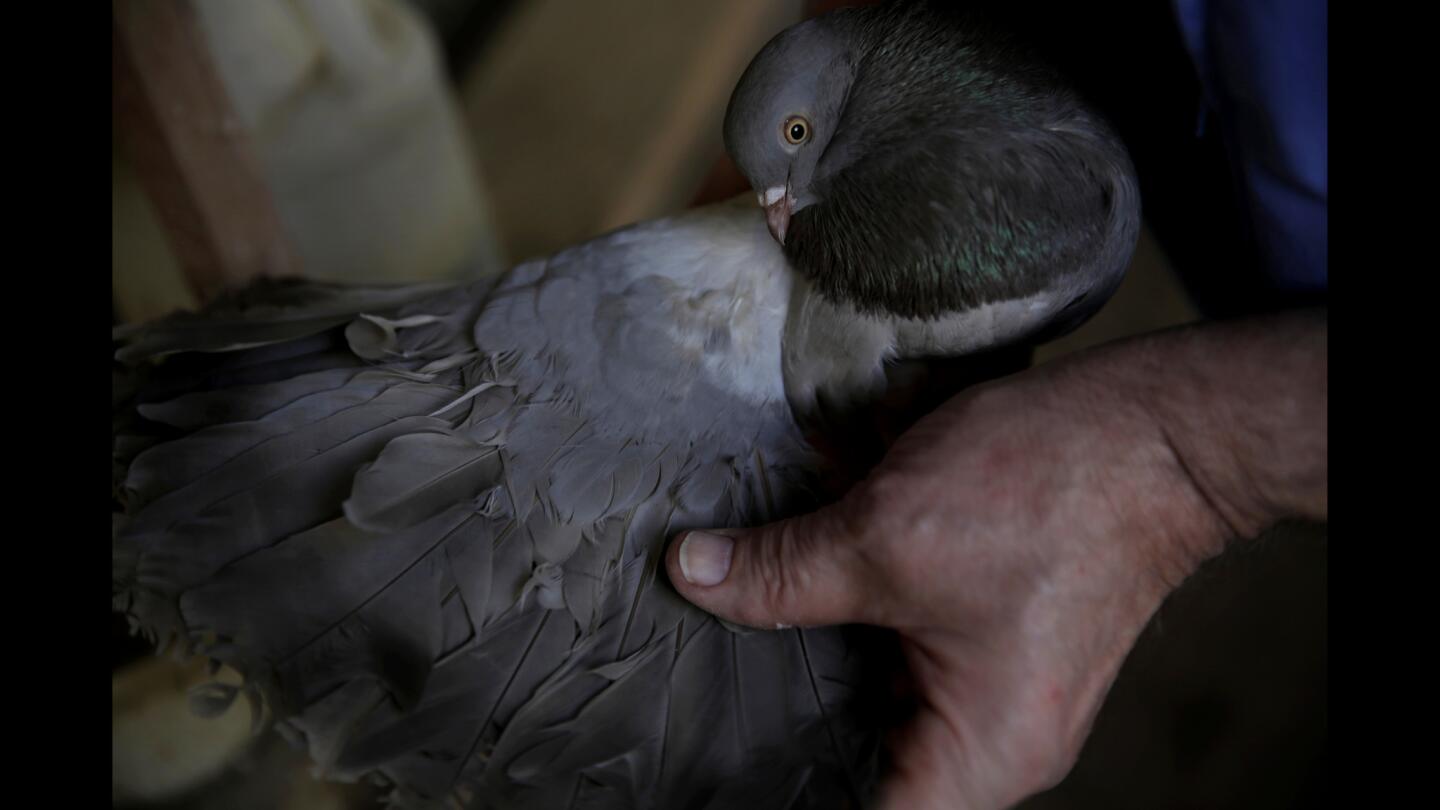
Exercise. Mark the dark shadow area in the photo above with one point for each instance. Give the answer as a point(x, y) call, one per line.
point(1222, 703)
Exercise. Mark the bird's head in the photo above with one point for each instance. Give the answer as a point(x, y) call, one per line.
point(915, 164)
point(784, 113)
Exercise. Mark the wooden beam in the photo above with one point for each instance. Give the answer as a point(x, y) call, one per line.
point(190, 151)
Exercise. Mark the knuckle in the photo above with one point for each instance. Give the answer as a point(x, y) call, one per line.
point(779, 567)
point(1050, 746)
point(1053, 770)
point(872, 522)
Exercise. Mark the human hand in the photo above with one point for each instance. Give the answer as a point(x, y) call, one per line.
point(1018, 539)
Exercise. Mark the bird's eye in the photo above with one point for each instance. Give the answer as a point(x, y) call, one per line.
point(797, 129)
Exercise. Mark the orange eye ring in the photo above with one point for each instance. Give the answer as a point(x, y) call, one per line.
point(796, 130)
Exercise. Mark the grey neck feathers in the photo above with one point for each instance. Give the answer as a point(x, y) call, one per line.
point(835, 353)
point(961, 174)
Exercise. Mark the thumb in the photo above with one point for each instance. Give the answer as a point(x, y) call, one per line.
point(806, 571)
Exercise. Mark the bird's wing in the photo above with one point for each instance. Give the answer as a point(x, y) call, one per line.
point(429, 531)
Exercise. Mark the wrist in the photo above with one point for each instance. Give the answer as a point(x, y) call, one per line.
point(1154, 520)
point(1241, 409)
point(1175, 516)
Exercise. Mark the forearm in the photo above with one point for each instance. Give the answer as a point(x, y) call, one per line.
point(1243, 407)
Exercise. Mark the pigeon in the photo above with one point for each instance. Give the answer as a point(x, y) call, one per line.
point(426, 524)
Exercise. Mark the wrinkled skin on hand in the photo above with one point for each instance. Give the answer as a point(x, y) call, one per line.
point(1018, 538)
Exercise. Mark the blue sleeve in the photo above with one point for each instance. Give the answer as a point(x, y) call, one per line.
point(1264, 69)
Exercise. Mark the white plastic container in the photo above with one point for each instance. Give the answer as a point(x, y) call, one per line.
point(354, 126)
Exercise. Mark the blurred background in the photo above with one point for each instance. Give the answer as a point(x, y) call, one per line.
point(404, 140)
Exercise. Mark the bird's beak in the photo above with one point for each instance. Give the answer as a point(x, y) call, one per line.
point(777, 203)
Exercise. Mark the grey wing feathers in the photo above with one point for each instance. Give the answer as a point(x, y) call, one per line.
point(437, 563)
